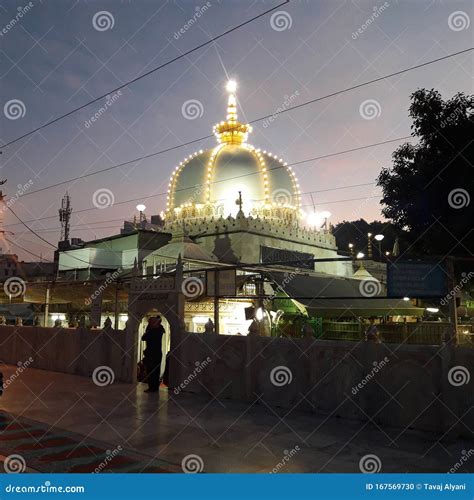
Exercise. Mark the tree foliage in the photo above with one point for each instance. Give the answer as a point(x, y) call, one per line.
point(355, 232)
point(429, 189)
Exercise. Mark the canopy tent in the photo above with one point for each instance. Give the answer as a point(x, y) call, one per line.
point(334, 296)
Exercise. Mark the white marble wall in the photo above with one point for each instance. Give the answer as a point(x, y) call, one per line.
point(324, 376)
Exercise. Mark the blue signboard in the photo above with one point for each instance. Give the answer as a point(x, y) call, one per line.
point(416, 279)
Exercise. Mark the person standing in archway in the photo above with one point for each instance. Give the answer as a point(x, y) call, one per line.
point(152, 355)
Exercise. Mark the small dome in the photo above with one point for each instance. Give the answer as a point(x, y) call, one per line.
point(231, 176)
point(182, 245)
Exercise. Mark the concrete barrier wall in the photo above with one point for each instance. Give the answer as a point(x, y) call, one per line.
point(67, 350)
point(397, 385)
point(401, 386)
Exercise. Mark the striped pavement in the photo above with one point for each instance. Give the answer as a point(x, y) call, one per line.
point(46, 449)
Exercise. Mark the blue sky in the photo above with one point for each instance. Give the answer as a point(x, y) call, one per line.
point(54, 59)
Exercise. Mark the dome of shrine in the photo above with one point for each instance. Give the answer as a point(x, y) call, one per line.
point(232, 176)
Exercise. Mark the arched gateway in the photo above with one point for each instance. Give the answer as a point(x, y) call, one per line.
point(163, 293)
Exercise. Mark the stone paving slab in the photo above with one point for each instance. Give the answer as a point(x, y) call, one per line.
point(225, 436)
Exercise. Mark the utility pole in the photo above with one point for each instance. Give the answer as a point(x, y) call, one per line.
point(453, 317)
point(216, 301)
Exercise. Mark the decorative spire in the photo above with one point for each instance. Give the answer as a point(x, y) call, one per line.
point(231, 131)
point(232, 101)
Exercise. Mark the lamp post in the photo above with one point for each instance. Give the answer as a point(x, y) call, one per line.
point(369, 245)
point(379, 238)
point(141, 208)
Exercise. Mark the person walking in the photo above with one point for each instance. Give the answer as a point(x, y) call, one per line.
point(209, 326)
point(152, 355)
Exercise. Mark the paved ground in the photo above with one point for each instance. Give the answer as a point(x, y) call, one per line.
point(224, 436)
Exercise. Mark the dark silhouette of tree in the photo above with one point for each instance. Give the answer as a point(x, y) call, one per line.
point(355, 232)
point(429, 189)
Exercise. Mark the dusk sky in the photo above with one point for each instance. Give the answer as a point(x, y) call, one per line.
point(55, 59)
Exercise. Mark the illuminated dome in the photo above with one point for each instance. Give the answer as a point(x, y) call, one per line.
point(233, 176)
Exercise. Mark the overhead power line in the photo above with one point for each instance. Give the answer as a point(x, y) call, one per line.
point(314, 158)
point(90, 225)
point(148, 73)
point(292, 108)
point(43, 239)
point(145, 197)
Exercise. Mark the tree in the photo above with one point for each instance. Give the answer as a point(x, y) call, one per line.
point(355, 232)
point(428, 189)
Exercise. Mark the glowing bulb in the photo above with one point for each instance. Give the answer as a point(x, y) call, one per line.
point(314, 219)
point(231, 86)
point(141, 208)
point(259, 314)
point(360, 255)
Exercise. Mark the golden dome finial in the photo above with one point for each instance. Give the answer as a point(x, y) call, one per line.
point(231, 131)
point(232, 101)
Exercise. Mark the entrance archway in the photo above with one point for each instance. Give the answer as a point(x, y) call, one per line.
point(166, 342)
point(164, 295)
